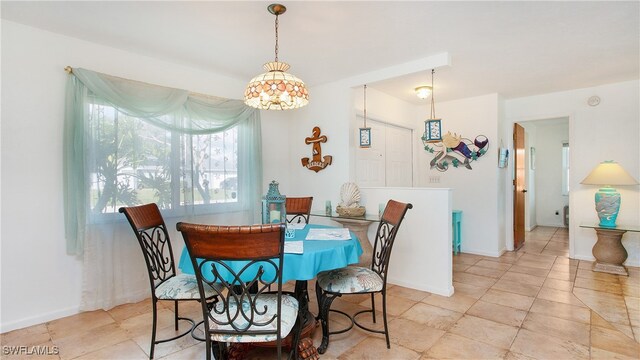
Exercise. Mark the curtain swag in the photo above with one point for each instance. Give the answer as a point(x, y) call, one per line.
point(171, 109)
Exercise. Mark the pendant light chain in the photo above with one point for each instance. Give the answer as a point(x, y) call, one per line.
point(433, 104)
point(276, 37)
point(365, 105)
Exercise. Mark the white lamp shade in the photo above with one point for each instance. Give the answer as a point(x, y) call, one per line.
point(609, 173)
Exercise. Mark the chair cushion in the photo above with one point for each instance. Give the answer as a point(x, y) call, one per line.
point(350, 280)
point(182, 287)
point(288, 319)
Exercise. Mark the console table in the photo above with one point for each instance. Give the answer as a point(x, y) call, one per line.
point(359, 225)
point(608, 250)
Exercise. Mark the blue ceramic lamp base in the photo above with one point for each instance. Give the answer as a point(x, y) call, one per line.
point(607, 206)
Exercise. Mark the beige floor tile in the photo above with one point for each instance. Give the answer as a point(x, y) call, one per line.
point(573, 263)
point(407, 293)
point(565, 297)
point(490, 264)
point(562, 267)
point(516, 287)
point(164, 349)
point(95, 339)
point(486, 331)
point(558, 284)
point(636, 333)
point(556, 327)
point(396, 305)
point(547, 251)
point(78, 324)
point(557, 245)
point(516, 356)
point(452, 346)
point(141, 324)
point(547, 347)
point(432, 316)
point(599, 354)
point(614, 341)
point(631, 289)
point(456, 302)
point(460, 267)
point(498, 313)
point(549, 259)
point(610, 306)
point(196, 352)
point(561, 275)
point(469, 290)
point(339, 343)
point(520, 302)
point(30, 336)
point(413, 335)
point(127, 350)
point(597, 320)
point(534, 264)
point(529, 270)
point(472, 279)
point(584, 264)
point(560, 310)
point(463, 258)
point(523, 278)
point(598, 285)
point(374, 348)
point(488, 272)
point(625, 329)
point(125, 311)
point(633, 309)
point(589, 274)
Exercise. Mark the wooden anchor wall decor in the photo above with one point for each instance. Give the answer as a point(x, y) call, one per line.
point(317, 161)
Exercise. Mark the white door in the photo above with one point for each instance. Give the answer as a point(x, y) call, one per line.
point(388, 162)
point(370, 162)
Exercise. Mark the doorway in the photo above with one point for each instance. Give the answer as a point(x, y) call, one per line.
point(541, 183)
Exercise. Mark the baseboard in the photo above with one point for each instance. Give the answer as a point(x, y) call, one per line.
point(584, 257)
point(431, 289)
point(483, 253)
point(38, 319)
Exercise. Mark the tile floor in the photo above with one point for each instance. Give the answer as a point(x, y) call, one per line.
point(531, 304)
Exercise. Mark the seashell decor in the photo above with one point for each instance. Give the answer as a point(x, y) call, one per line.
point(350, 198)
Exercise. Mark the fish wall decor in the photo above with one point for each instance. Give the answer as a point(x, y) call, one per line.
point(456, 151)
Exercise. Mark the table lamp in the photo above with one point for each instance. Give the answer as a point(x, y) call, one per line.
point(608, 173)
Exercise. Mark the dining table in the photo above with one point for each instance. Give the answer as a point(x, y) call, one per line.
point(303, 262)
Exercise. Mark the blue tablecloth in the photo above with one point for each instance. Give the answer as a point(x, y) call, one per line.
point(319, 255)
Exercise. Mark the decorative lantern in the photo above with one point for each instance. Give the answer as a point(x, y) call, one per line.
point(273, 206)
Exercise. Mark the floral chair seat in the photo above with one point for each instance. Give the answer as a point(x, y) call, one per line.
point(289, 313)
point(181, 287)
point(350, 280)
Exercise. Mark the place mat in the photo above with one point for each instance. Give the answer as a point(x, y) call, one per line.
point(328, 234)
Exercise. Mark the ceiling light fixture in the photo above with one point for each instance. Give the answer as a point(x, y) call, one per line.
point(423, 91)
point(276, 89)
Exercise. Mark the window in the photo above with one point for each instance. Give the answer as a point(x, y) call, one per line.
point(135, 162)
point(565, 169)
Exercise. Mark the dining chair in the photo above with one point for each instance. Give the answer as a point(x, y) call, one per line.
point(150, 230)
point(245, 261)
point(362, 280)
point(299, 208)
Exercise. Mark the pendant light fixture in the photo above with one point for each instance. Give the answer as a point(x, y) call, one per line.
point(432, 126)
point(276, 89)
point(365, 132)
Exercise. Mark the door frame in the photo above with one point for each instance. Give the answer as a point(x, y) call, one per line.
point(510, 175)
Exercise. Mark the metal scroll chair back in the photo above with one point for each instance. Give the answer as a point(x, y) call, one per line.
point(299, 208)
point(385, 236)
point(150, 230)
point(245, 261)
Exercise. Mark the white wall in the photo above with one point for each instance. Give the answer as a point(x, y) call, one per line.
point(34, 260)
point(475, 191)
point(421, 256)
point(609, 131)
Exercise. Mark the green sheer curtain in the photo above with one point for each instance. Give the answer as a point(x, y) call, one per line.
point(171, 109)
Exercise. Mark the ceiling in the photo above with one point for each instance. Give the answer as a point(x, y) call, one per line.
point(512, 48)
